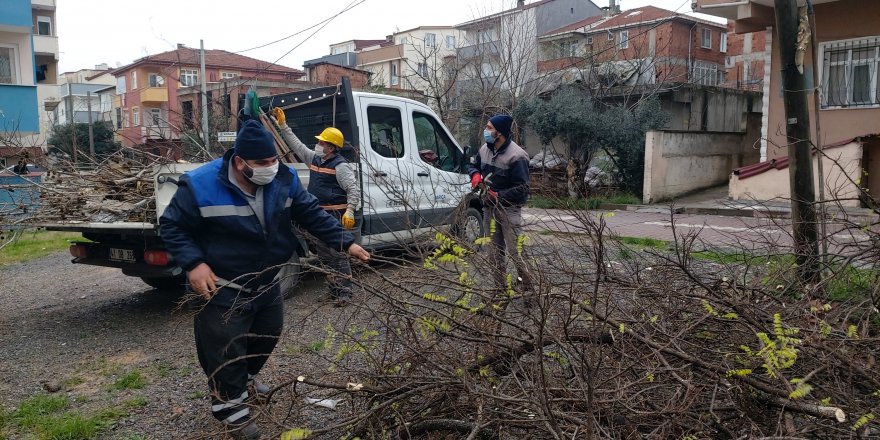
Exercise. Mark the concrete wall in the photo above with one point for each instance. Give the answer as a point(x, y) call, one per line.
point(559, 13)
point(677, 162)
point(774, 185)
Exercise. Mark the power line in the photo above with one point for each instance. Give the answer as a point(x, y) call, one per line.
point(326, 20)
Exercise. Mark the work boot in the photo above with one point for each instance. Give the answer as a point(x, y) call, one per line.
point(341, 301)
point(250, 431)
point(258, 391)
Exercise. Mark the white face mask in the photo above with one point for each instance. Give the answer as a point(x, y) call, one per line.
point(262, 175)
point(319, 149)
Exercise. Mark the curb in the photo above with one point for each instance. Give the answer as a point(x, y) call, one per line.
point(725, 212)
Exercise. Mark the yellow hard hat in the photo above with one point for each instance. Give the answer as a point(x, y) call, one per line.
point(332, 135)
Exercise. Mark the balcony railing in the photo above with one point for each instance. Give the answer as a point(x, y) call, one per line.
point(382, 54)
point(154, 95)
point(46, 44)
point(43, 4)
point(491, 48)
point(156, 132)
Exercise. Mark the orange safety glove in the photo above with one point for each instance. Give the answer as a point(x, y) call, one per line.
point(348, 219)
point(279, 116)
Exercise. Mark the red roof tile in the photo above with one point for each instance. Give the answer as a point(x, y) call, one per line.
point(213, 58)
point(631, 17)
point(781, 163)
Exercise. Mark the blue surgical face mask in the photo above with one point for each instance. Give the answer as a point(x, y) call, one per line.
point(487, 135)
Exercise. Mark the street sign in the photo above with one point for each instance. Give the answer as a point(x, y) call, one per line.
point(226, 136)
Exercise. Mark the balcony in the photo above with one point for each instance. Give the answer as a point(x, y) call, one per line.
point(491, 48)
point(154, 95)
point(46, 45)
point(387, 53)
point(156, 132)
point(45, 5)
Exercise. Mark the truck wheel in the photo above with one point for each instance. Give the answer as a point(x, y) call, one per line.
point(172, 284)
point(470, 226)
point(289, 278)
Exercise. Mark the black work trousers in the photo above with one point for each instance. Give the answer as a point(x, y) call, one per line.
point(336, 261)
point(233, 345)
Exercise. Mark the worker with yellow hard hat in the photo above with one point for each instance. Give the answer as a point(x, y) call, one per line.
point(333, 181)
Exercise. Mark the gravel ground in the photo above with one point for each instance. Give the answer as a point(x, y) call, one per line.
point(80, 328)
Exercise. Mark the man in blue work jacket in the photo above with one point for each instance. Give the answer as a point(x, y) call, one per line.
point(229, 227)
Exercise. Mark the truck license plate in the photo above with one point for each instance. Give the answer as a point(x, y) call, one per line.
point(126, 255)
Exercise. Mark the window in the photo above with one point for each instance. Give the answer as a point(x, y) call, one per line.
point(394, 78)
point(567, 49)
point(155, 117)
point(624, 40)
point(486, 36)
point(227, 105)
point(707, 74)
point(430, 40)
point(402, 40)
point(386, 131)
point(189, 77)
point(723, 42)
point(120, 85)
point(118, 118)
point(850, 73)
point(44, 25)
point(186, 109)
point(487, 70)
point(156, 80)
point(450, 42)
point(590, 40)
point(422, 70)
point(8, 64)
point(228, 75)
point(706, 41)
point(125, 119)
point(610, 36)
point(135, 116)
point(432, 138)
point(134, 79)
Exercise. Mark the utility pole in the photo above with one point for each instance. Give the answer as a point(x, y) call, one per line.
point(70, 116)
point(797, 129)
point(202, 75)
point(91, 132)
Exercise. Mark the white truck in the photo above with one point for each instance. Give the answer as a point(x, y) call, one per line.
point(412, 174)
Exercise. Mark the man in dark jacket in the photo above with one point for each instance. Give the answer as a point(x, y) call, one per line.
point(229, 226)
point(503, 166)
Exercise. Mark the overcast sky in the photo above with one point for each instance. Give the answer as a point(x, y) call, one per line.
point(118, 32)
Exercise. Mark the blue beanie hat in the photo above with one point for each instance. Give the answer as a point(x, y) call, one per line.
point(502, 124)
point(254, 142)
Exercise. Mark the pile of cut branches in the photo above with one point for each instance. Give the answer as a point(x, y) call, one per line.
point(619, 343)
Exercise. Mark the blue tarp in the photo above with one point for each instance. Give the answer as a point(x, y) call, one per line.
point(19, 194)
